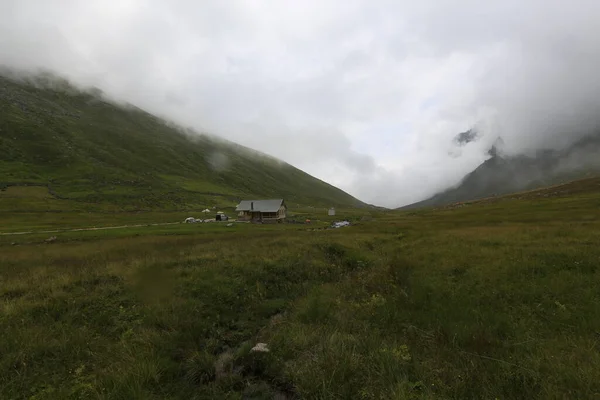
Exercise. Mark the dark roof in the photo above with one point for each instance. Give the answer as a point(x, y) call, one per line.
point(260, 205)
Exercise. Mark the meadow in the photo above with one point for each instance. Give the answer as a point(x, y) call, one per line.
point(496, 299)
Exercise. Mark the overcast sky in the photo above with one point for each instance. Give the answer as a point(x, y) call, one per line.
point(366, 95)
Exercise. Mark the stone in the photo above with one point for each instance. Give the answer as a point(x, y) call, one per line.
point(260, 347)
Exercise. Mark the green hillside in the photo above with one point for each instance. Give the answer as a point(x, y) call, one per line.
point(88, 150)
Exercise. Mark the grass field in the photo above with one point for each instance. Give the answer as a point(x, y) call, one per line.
point(486, 300)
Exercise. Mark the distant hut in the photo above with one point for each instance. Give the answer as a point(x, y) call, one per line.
point(331, 212)
point(262, 210)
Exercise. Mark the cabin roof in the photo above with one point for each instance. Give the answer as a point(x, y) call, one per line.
point(272, 205)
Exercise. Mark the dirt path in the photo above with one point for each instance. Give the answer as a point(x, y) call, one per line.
point(87, 229)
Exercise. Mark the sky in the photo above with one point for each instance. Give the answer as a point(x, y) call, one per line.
point(367, 95)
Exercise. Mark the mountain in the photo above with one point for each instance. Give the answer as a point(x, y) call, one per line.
point(502, 175)
point(91, 150)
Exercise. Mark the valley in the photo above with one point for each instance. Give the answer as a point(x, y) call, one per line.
point(107, 294)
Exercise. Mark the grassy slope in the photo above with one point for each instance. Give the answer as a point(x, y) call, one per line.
point(494, 299)
point(96, 152)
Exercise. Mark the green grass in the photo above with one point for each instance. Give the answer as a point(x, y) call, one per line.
point(493, 299)
point(95, 153)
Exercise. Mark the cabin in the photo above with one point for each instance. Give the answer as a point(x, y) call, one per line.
point(262, 210)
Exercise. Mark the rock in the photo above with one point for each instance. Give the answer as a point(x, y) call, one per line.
point(260, 347)
point(229, 224)
point(51, 239)
point(276, 319)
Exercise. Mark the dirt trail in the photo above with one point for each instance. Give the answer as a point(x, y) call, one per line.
point(93, 228)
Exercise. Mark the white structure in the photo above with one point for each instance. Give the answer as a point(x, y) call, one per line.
point(340, 224)
point(261, 347)
point(331, 211)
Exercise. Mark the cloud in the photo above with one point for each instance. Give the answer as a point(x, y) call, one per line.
point(365, 95)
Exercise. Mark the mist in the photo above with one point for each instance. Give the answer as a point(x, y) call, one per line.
point(368, 96)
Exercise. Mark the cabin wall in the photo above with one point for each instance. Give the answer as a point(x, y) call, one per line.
point(255, 216)
point(246, 216)
point(269, 216)
point(281, 213)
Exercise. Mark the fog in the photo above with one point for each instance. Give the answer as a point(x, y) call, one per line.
point(368, 96)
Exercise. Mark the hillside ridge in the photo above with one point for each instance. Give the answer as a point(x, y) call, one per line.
point(501, 175)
